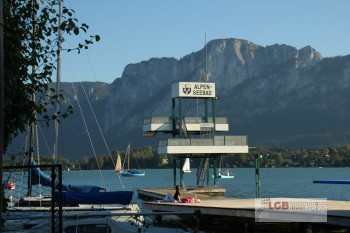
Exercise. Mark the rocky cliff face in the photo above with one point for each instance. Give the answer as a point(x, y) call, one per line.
point(252, 81)
point(277, 95)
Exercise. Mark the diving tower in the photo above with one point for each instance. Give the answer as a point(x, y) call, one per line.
point(153, 125)
point(195, 137)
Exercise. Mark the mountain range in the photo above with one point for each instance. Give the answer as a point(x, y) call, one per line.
point(277, 95)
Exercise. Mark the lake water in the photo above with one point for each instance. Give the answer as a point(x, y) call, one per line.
point(274, 182)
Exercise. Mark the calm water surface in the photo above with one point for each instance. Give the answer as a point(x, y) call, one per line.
point(275, 182)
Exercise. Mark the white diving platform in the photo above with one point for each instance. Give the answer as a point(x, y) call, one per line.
point(216, 145)
point(153, 125)
point(196, 137)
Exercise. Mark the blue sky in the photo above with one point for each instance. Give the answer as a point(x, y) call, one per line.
point(132, 31)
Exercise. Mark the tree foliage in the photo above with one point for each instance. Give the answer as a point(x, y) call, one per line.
point(30, 40)
point(147, 158)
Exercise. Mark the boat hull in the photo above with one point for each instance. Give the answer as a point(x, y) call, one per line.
point(132, 173)
point(226, 177)
point(332, 181)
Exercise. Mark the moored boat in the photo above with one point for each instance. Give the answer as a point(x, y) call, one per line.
point(225, 175)
point(127, 172)
point(132, 173)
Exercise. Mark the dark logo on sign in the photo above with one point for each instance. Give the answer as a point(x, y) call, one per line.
point(186, 88)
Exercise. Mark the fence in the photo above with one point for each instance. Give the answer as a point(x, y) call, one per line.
point(32, 208)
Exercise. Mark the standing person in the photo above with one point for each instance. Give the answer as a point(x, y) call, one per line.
point(177, 195)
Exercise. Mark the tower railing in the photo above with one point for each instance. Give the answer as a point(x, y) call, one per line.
point(216, 141)
point(188, 120)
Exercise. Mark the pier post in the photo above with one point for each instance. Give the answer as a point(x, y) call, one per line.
point(257, 174)
point(208, 169)
point(181, 174)
point(181, 132)
point(174, 176)
point(174, 135)
point(213, 113)
point(206, 109)
point(173, 117)
point(215, 172)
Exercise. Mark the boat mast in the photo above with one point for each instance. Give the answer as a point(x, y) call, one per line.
point(32, 129)
point(59, 50)
point(1, 98)
point(129, 156)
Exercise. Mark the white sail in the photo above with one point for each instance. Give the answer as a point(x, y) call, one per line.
point(186, 166)
point(118, 164)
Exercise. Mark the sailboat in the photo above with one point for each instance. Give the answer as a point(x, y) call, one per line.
point(226, 174)
point(118, 164)
point(186, 166)
point(128, 172)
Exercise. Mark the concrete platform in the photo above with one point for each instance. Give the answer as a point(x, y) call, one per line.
point(201, 193)
point(338, 212)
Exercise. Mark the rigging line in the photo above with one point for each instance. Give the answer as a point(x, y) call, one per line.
point(90, 63)
point(102, 135)
point(126, 155)
point(58, 81)
point(44, 138)
point(85, 51)
point(88, 133)
point(138, 165)
point(38, 155)
point(94, 75)
point(98, 125)
point(23, 163)
point(37, 143)
point(110, 154)
point(87, 54)
point(25, 146)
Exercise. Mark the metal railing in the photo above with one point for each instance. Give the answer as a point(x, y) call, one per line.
point(188, 120)
point(216, 141)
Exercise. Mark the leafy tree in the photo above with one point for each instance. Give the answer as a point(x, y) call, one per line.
point(337, 160)
point(240, 159)
point(107, 164)
point(321, 161)
point(30, 40)
point(279, 159)
point(83, 162)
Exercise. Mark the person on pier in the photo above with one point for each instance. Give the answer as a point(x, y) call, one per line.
point(177, 195)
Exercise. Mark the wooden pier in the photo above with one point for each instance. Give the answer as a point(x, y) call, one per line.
point(201, 193)
point(338, 212)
